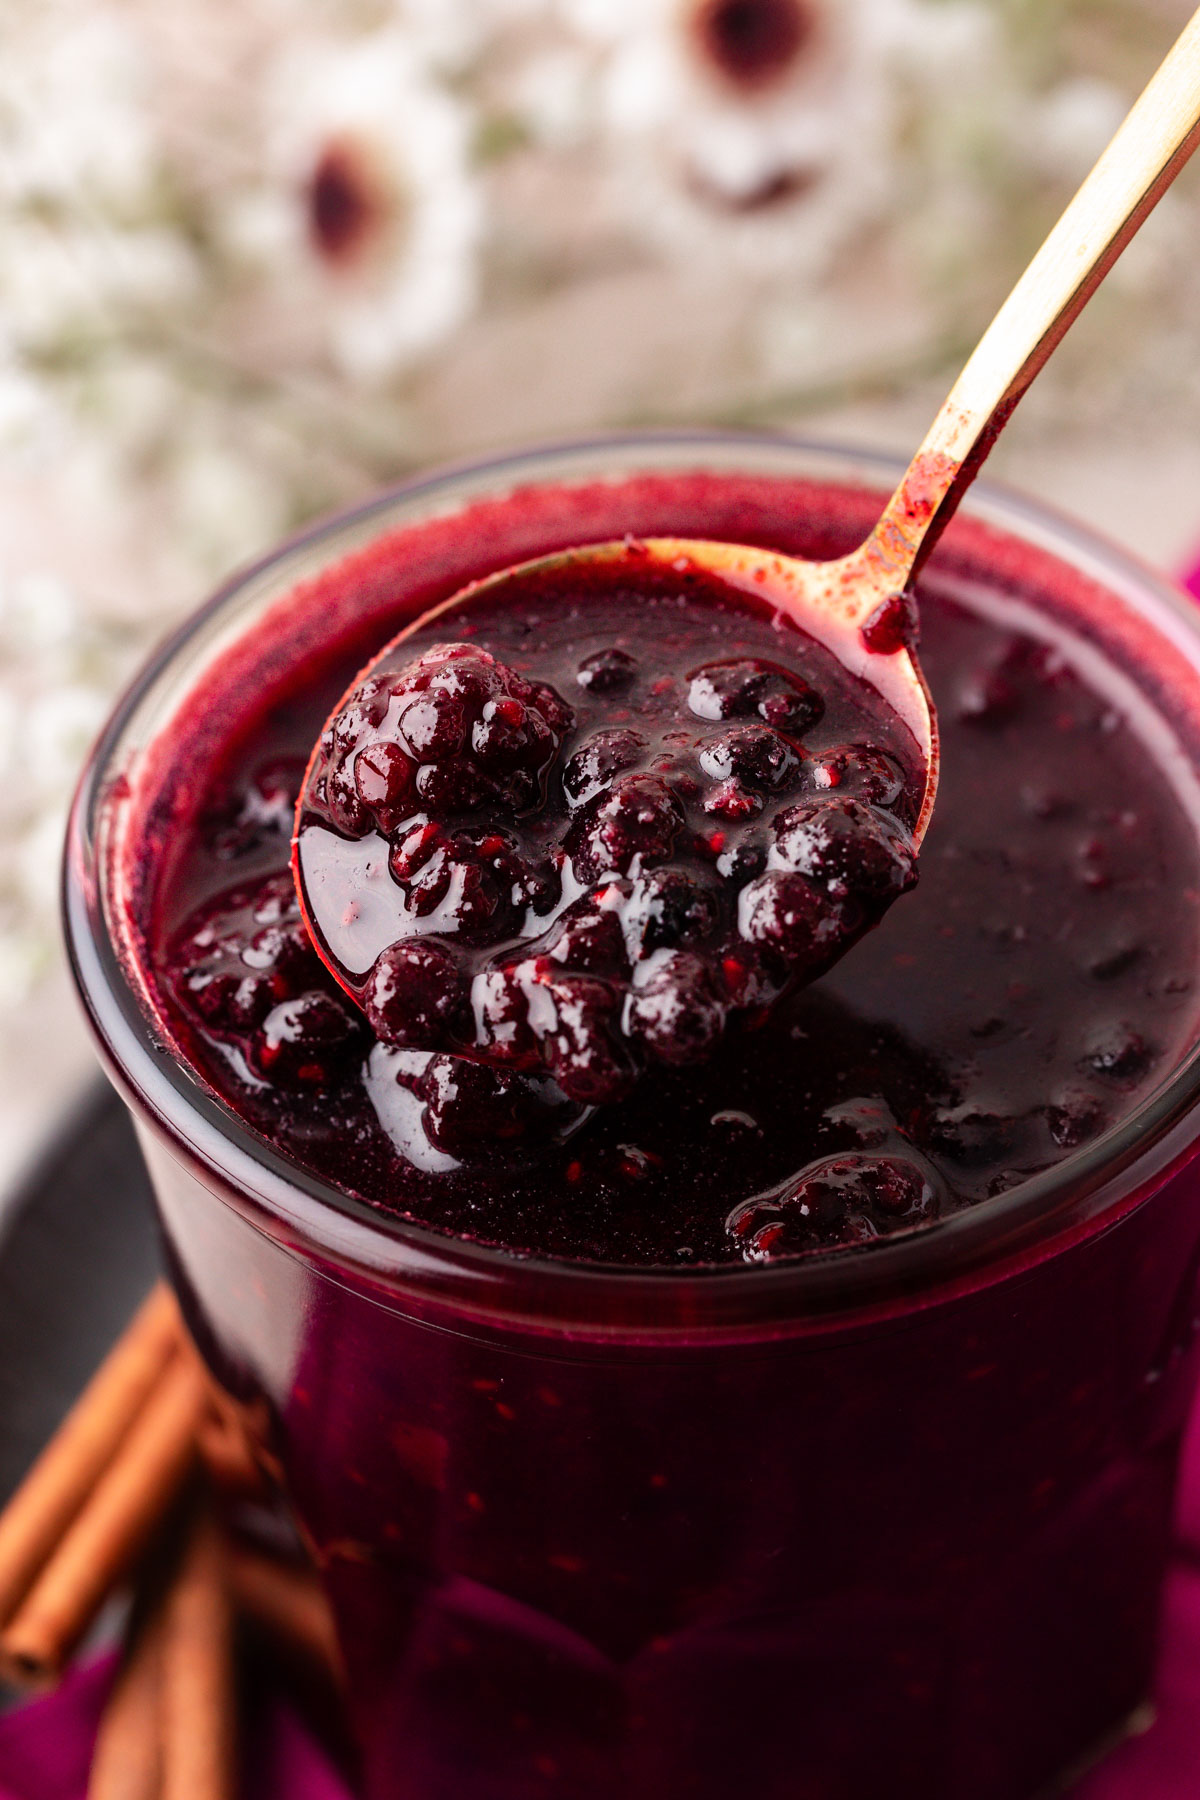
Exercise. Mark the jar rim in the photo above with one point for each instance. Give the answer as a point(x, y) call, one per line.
point(462, 1279)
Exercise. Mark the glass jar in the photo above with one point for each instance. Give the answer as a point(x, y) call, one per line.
point(891, 1520)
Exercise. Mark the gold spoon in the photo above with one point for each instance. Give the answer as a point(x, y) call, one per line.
point(856, 606)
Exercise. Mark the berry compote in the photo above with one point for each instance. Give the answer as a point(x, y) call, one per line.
point(825, 1444)
point(578, 872)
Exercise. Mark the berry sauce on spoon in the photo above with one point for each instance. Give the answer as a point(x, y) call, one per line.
point(649, 807)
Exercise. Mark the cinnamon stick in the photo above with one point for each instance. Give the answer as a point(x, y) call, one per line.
point(198, 1695)
point(131, 1495)
point(289, 1605)
point(61, 1480)
point(127, 1759)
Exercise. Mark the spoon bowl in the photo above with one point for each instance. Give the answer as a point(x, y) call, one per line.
point(850, 610)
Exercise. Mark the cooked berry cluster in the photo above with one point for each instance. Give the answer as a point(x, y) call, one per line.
point(453, 733)
point(844, 1200)
point(878, 1184)
point(474, 1113)
point(592, 887)
point(245, 968)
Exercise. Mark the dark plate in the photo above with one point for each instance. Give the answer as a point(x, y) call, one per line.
point(78, 1249)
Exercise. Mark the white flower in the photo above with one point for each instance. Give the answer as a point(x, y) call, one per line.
point(368, 220)
point(74, 125)
point(553, 94)
point(760, 129)
point(81, 236)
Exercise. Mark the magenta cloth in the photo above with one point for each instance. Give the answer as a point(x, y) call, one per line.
point(44, 1747)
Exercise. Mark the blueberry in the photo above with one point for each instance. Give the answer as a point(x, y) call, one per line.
point(589, 940)
point(1119, 1052)
point(418, 840)
point(788, 917)
point(512, 738)
point(501, 1005)
point(971, 1133)
point(635, 822)
point(607, 671)
point(1074, 1117)
point(282, 949)
point(454, 785)
point(592, 767)
point(842, 1200)
point(456, 728)
point(474, 1112)
point(744, 688)
point(259, 813)
point(754, 754)
point(307, 1040)
point(342, 801)
point(383, 777)
point(228, 1002)
point(580, 1041)
point(667, 909)
point(416, 996)
point(847, 847)
point(742, 862)
point(857, 769)
point(584, 914)
point(242, 954)
point(733, 800)
point(677, 1013)
point(433, 727)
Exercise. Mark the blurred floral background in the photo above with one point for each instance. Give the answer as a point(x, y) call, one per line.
point(259, 256)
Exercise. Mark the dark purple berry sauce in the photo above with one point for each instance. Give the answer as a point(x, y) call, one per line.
point(648, 807)
point(1021, 1000)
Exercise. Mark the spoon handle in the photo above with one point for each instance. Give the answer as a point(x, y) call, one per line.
point(1133, 173)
